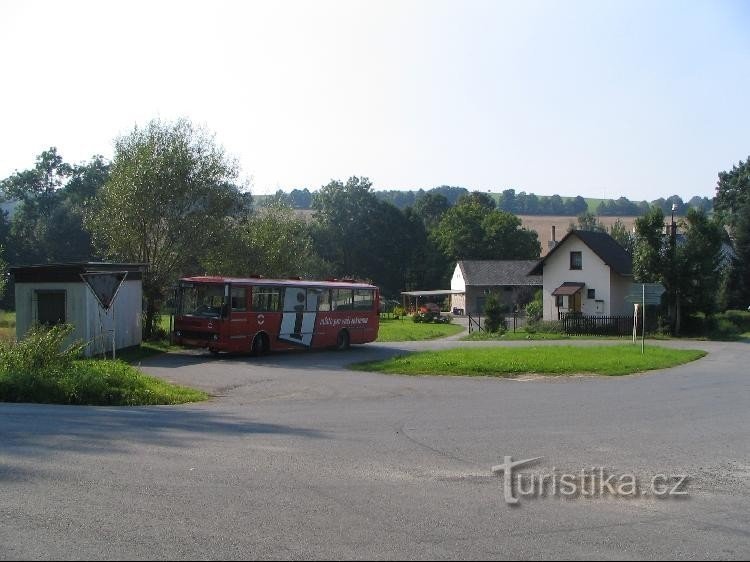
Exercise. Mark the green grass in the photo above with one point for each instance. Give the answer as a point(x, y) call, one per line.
point(94, 382)
point(548, 360)
point(41, 369)
point(405, 329)
point(516, 336)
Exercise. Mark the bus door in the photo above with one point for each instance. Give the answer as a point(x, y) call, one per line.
point(239, 328)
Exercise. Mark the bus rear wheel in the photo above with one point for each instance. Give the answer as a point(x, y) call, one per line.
point(342, 341)
point(260, 345)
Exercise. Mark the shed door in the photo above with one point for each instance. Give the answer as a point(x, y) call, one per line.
point(50, 307)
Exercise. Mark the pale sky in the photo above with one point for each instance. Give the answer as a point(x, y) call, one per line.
point(601, 98)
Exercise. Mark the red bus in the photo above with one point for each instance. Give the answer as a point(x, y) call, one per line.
point(258, 315)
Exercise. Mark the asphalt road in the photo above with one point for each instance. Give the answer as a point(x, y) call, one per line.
point(298, 457)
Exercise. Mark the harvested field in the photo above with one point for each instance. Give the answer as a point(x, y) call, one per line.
point(543, 225)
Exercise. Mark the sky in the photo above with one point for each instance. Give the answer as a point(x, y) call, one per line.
point(600, 99)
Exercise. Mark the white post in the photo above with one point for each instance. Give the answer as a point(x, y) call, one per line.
point(114, 332)
point(643, 328)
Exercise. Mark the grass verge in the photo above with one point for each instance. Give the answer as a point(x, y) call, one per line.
point(41, 369)
point(392, 330)
point(548, 360)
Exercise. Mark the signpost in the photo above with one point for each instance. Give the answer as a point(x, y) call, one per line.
point(105, 286)
point(643, 294)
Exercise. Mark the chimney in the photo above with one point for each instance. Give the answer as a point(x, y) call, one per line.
point(553, 242)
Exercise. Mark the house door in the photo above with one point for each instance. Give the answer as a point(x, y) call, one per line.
point(575, 302)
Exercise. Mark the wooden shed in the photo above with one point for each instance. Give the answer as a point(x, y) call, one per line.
point(59, 293)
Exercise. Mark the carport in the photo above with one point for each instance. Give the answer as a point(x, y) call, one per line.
point(407, 297)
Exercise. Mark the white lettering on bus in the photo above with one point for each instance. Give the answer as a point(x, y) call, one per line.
point(348, 322)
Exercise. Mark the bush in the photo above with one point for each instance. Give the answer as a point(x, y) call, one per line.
point(740, 318)
point(494, 314)
point(398, 311)
point(535, 309)
point(40, 368)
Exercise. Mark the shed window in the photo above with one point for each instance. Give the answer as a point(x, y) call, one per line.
point(50, 307)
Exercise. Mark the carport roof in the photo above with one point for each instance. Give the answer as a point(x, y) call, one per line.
point(431, 293)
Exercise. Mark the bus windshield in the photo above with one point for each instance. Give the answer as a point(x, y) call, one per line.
point(201, 300)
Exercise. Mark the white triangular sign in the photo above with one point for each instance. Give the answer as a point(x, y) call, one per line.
point(104, 285)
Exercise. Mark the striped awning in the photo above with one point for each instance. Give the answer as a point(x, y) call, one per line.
point(568, 289)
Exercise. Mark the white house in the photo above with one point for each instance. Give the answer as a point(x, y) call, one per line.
point(473, 280)
point(54, 294)
point(587, 273)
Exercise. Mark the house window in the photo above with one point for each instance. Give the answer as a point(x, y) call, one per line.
point(592, 294)
point(50, 307)
point(576, 260)
point(559, 301)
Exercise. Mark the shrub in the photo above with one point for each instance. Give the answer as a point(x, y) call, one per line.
point(398, 311)
point(494, 313)
point(535, 309)
point(40, 368)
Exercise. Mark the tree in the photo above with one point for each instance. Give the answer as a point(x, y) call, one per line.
point(494, 311)
point(689, 266)
point(470, 230)
point(588, 221)
point(39, 185)
point(733, 192)
point(699, 263)
point(361, 236)
point(430, 208)
point(732, 205)
point(169, 198)
point(619, 232)
point(273, 242)
point(648, 248)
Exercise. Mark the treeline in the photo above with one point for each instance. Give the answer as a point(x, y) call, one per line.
point(170, 198)
point(521, 203)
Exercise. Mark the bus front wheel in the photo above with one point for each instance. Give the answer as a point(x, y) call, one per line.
point(342, 341)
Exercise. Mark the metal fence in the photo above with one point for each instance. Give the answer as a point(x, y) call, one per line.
point(582, 325)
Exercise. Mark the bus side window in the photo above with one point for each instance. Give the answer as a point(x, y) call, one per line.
point(342, 299)
point(239, 299)
point(324, 301)
point(363, 299)
point(266, 299)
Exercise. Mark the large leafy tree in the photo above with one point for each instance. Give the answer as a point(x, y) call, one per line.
point(38, 186)
point(170, 196)
point(732, 204)
point(48, 224)
point(471, 230)
point(733, 192)
point(362, 236)
point(688, 265)
point(273, 242)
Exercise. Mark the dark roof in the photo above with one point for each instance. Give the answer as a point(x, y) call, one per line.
point(71, 272)
point(603, 245)
point(498, 273)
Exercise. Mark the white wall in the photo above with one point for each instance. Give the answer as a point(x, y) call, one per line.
point(458, 283)
point(92, 324)
point(595, 274)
